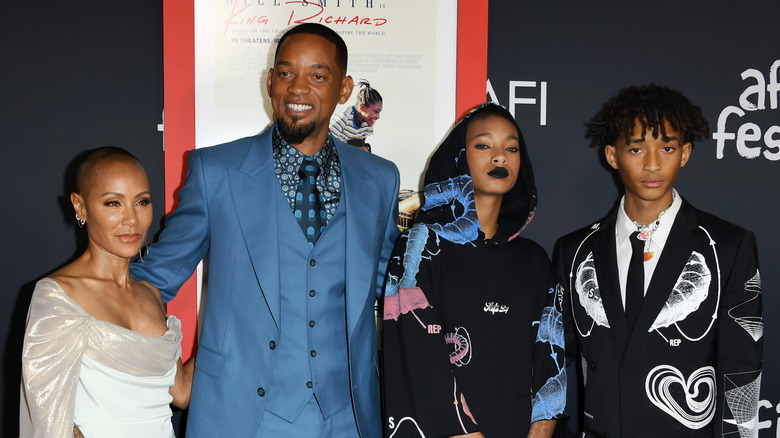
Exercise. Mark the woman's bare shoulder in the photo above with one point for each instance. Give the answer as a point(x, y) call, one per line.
point(152, 291)
point(69, 278)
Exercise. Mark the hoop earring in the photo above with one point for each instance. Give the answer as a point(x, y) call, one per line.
point(80, 221)
point(140, 252)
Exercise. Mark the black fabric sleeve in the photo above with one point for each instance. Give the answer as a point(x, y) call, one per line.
point(419, 388)
point(740, 339)
point(549, 369)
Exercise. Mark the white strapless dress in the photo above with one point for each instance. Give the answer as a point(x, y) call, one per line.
point(110, 403)
point(108, 380)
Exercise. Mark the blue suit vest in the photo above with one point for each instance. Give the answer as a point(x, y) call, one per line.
point(312, 344)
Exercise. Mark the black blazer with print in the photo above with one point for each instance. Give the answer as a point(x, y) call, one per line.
point(691, 365)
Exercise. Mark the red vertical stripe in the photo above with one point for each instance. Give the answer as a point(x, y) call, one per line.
point(179, 103)
point(471, 70)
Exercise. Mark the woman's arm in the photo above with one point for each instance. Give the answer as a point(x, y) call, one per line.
point(54, 342)
point(182, 387)
point(549, 369)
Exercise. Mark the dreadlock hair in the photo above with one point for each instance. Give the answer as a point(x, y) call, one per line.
point(367, 95)
point(651, 105)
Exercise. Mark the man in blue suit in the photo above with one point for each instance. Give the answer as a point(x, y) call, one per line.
point(288, 344)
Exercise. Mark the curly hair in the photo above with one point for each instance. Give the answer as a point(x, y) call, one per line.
point(651, 105)
point(366, 95)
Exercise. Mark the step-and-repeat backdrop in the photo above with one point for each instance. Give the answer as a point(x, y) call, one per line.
point(555, 64)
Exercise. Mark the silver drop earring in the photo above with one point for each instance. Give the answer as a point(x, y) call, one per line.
point(80, 221)
point(140, 252)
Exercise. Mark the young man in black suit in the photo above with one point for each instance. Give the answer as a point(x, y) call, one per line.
point(661, 301)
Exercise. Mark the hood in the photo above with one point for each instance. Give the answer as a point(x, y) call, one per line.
point(449, 194)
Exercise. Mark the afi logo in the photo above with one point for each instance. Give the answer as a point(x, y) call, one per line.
point(748, 136)
point(519, 94)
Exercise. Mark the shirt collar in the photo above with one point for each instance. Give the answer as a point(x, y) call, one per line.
point(624, 226)
point(324, 156)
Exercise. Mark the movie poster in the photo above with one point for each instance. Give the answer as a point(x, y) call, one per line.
point(404, 49)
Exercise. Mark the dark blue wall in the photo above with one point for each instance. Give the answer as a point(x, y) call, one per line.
point(73, 76)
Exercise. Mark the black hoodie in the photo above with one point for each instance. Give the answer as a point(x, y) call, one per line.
point(471, 339)
point(449, 194)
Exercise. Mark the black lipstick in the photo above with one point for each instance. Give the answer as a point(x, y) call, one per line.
point(499, 172)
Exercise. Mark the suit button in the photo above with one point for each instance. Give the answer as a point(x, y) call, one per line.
point(313, 353)
point(593, 365)
point(309, 384)
point(272, 345)
point(260, 391)
point(312, 262)
point(312, 323)
point(312, 293)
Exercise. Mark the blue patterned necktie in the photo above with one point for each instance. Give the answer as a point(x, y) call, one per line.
point(308, 210)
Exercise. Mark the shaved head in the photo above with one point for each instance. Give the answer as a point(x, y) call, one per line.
point(95, 159)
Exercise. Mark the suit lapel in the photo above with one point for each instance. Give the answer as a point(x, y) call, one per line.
point(360, 220)
point(605, 260)
point(254, 188)
point(678, 248)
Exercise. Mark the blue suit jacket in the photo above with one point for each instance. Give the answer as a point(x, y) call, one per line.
point(227, 210)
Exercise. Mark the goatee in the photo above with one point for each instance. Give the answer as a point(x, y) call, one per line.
point(294, 133)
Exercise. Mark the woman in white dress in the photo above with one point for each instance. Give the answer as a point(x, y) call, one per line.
point(100, 356)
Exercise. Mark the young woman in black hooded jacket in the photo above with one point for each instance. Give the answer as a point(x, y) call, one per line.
point(472, 344)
